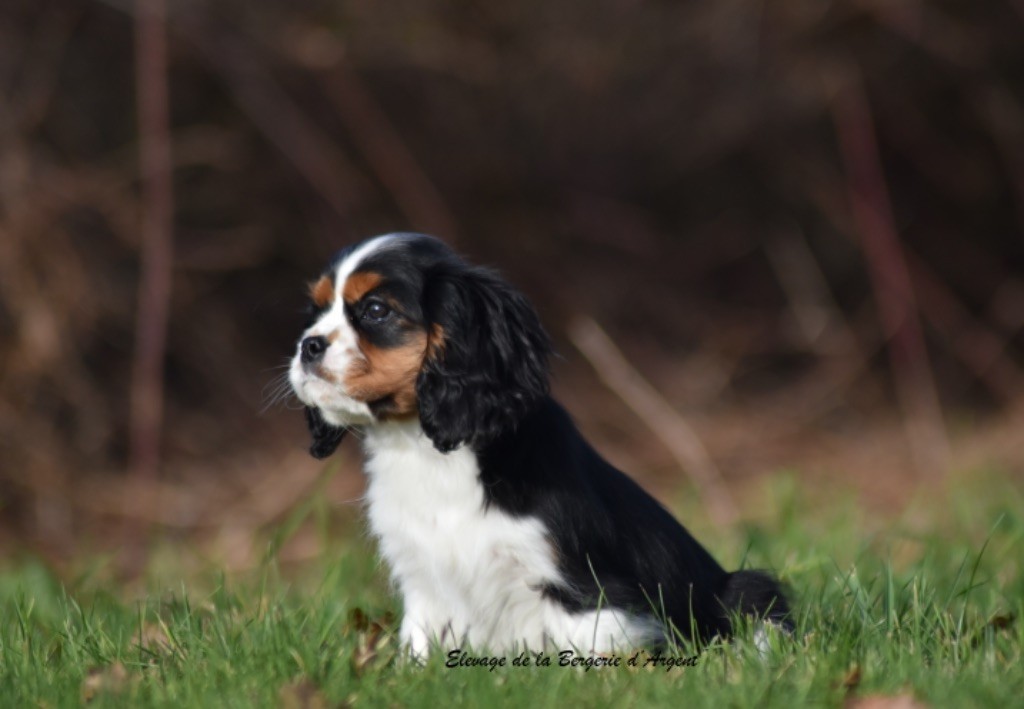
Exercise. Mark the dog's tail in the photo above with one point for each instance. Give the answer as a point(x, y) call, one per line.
point(757, 594)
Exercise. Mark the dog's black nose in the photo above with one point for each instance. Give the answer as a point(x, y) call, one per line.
point(312, 349)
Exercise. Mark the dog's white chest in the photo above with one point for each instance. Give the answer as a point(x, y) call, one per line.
point(466, 572)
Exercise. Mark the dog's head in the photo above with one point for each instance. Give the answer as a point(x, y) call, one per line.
point(401, 327)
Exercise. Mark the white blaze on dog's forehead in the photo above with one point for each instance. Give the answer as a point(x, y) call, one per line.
point(333, 323)
point(347, 267)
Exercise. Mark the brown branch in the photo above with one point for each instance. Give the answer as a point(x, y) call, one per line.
point(979, 347)
point(842, 357)
point(666, 423)
point(147, 392)
point(890, 278)
point(814, 309)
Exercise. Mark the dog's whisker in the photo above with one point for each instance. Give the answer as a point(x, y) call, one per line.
point(274, 389)
point(277, 391)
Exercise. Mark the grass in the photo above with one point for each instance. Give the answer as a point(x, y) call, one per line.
point(882, 610)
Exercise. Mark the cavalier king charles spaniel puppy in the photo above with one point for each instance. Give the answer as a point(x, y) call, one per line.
point(502, 527)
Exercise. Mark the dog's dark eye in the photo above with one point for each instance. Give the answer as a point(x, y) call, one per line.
point(376, 311)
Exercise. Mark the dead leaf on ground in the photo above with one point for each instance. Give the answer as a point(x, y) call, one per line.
point(372, 637)
point(301, 694)
point(997, 623)
point(882, 701)
point(111, 679)
point(852, 679)
point(155, 638)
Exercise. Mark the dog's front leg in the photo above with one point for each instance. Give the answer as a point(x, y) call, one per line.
point(425, 623)
point(414, 637)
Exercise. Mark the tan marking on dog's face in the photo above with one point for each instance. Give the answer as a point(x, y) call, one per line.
point(322, 292)
point(359, 284)
point(388, 373)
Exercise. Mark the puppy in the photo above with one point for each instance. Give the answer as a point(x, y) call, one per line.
point(502, 527)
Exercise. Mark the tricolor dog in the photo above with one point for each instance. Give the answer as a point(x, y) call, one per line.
point(501, 526)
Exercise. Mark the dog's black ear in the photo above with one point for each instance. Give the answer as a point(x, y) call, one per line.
point(326, 437)
point(487, 358)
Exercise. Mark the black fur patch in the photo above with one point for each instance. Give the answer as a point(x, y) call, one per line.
point(326, 438)
point(491, 368)
point(616, 545)
point(611, 537)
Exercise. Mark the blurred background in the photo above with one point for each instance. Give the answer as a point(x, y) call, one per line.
point(765, 237)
